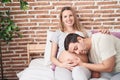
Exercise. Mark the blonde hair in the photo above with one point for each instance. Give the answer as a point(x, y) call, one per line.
point(76, 24)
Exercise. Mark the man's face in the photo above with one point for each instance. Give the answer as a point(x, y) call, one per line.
point(78, 47)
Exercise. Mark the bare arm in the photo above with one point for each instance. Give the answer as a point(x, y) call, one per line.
point(54, 48)
point(106, 65)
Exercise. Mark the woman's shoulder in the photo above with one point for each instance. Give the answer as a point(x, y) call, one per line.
point(79, 33)
point(59, 32)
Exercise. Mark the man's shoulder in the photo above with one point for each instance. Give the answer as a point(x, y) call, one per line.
point(96, 35)
point(101, 35)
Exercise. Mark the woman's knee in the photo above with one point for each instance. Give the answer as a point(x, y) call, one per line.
point(81, 69)
point(62, 74)
point(81, 72)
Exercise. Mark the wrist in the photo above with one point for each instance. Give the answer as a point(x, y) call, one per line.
point(60, 65)
point(84, 64)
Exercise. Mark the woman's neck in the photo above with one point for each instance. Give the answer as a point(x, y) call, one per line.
point(70, 30)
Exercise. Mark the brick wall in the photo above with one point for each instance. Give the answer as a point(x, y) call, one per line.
point(43, 15)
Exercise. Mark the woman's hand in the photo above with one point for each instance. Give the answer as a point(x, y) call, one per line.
point(104, 31)
point(69, 64)
point(95, 74)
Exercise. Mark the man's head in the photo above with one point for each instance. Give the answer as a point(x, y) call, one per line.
point(75, 43)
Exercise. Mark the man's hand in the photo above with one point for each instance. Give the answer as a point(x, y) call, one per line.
point(69, 64)
point(95, 74)
point(80, 62)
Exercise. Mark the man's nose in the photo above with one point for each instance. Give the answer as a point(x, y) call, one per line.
point(77, 52)
point(80, 51)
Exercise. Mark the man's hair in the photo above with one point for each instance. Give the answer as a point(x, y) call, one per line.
point(71, 38)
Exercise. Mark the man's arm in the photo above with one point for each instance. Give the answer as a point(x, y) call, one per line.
point(107, 65)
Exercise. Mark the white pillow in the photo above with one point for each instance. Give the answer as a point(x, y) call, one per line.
point(48, 48)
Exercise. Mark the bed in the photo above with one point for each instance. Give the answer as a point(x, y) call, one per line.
point(40, 68)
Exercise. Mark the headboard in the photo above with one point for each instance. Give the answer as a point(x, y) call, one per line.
point(34, 48)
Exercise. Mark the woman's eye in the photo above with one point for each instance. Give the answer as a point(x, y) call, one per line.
point(65, 16)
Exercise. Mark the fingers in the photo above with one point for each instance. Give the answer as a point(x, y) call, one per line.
point(104, 31)
point(95, 74)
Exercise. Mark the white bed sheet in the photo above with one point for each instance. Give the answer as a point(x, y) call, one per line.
point(36, 71)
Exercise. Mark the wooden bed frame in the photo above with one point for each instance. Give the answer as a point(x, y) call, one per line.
point(34, 48)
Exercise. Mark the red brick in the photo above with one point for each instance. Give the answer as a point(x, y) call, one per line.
point(43, 15)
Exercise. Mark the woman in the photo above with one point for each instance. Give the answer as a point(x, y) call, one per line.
point(68, 24)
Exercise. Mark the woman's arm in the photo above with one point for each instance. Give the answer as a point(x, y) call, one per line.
point(66, 64)
point(53, 58)
point(104, 31)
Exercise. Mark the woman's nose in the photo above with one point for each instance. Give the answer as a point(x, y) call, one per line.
point(68, 18)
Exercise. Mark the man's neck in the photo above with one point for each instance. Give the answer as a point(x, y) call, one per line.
point(88, 42)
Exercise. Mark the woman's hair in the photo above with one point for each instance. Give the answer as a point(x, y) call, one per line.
point(76, 24)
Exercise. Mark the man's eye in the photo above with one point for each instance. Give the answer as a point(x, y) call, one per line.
point(71, 15)
point(75, 48)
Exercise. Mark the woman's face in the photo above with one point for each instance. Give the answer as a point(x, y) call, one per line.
point(68, 18)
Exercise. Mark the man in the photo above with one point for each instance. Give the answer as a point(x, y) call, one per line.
point(103, 52)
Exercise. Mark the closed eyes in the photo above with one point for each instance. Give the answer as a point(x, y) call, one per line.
point(75, 48)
